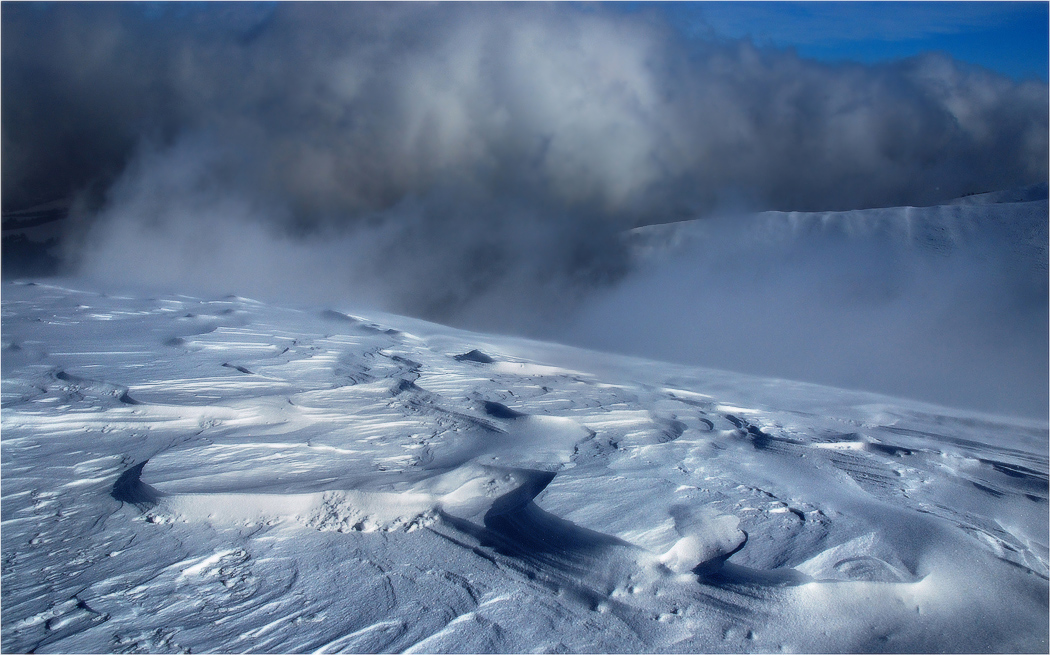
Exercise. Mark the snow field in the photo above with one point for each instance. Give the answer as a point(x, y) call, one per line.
point(189, 474)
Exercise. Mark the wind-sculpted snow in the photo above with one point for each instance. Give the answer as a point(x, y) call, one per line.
point(189, 475)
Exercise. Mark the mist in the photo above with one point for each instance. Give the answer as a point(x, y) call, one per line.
point(477, 164)
point(944, 304)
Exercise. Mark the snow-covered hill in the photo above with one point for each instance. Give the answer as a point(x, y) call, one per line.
point(184, 474)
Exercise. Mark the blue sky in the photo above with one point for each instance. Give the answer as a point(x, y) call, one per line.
point(1008, 37)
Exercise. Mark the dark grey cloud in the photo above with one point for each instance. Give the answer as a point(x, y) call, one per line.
point(348, 107)
point(458, 160)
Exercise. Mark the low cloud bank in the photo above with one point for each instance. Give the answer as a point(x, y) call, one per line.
point(945, 304)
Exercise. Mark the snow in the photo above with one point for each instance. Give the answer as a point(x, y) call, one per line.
point(219, 474)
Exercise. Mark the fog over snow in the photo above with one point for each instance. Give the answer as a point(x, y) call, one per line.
point(475, 164)
point(211, 381)
point(472, 164)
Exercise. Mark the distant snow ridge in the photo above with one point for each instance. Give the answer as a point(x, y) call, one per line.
point(1020, 225)
point(382, 484)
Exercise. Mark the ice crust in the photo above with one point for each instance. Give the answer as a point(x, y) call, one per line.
point(286, 480)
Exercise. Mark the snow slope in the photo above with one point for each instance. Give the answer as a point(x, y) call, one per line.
point(185, 474)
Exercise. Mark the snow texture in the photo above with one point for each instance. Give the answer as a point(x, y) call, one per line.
point(187, 474)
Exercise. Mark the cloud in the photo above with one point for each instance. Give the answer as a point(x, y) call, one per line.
point(474, 162)
point(354, 106)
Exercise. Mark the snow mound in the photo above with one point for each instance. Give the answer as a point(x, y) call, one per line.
point(707, 550)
